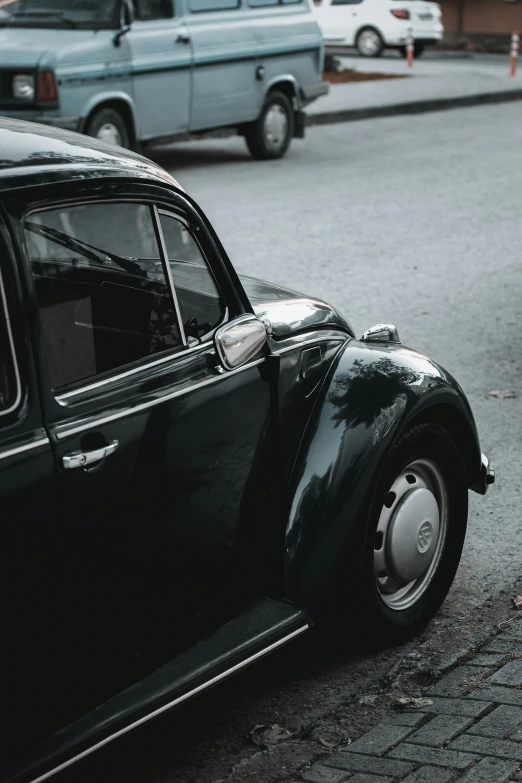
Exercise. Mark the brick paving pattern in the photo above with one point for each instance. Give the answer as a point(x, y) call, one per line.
point(471, 732)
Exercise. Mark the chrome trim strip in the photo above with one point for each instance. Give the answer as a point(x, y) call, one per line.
point(171, 704)
point(311, 342)
point(62, 398)
point(145, 405)
point(7, 322)
point(27, 447)
point(166, 268)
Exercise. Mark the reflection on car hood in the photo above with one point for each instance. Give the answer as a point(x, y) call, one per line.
point(290, 312)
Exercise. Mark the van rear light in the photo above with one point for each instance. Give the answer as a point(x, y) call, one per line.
point(401, 13)
point(47, 92)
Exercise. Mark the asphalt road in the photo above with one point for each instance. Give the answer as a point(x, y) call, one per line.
point(410, 220)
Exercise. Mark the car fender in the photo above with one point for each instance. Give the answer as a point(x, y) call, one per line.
point(370, 395)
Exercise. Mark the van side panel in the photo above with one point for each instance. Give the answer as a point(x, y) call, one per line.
point(224, 76)
point(289, 46)
point(161, 70)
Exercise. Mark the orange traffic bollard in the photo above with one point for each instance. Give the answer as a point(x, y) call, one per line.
point(514, 52)
point(409, 48)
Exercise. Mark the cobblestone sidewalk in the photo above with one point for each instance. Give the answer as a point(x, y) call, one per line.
point(470, 732)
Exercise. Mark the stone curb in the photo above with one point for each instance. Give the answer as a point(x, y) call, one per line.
point(469, 729)
point(412, 107)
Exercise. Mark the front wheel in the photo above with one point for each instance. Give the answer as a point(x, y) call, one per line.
point(108, 125)
point(269, 136)
point(416, 533)
point(369, 43)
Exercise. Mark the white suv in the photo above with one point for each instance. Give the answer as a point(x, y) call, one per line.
point(374, 25)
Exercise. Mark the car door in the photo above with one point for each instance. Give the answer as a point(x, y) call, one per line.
point(29, 594)
point(159, 450)
point(224, 89)
point(339, 20)
point(161, 56)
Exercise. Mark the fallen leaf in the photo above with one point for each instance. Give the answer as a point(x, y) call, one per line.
point(270, 735)
point(409, 701)
point(517, 600)
point(502, 394)
point(330, 741)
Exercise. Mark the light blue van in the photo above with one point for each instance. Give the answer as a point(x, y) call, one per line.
point(133, 71)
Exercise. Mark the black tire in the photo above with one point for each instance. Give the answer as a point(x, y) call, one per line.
point(259, 143)
point(364, 36)
point(431, 443)
point(108, 118)
point(418, 49)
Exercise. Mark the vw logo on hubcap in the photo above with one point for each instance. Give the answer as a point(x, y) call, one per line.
point(424, 537)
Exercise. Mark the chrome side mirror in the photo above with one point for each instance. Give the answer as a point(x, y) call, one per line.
point(381, 333)
point(239, 340)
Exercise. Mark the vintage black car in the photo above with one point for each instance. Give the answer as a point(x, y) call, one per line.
point(195, 467)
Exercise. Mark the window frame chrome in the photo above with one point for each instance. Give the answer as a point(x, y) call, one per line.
point(16, 373)
point(172, 214)
point(160, 239)
point(155, 205)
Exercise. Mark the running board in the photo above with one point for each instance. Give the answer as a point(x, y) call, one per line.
point(263, 627)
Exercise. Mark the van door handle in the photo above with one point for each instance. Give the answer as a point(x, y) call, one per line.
point(183, 38)
point(81, 459)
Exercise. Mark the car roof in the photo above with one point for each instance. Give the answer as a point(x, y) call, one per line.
point(32, 154)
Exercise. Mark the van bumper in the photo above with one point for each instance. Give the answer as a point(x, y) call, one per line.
point(310, 92)
point(67, 123)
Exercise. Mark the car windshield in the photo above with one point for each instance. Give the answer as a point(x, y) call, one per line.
point(90, 14)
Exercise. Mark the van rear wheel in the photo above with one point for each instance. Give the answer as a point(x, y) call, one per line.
point(269, 136)
point(108, 125)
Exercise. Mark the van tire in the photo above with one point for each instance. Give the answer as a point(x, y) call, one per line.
point(108, 125)
point(269, 136)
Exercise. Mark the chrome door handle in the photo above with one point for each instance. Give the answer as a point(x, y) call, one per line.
point(183, 38)
point(81, 459)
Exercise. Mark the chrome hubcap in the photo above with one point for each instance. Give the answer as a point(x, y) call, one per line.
point(369, 43)
point(275, 127)
point(109, 133)
point(410, 534)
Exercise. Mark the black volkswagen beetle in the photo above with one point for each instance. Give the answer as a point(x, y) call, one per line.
point(194, 465)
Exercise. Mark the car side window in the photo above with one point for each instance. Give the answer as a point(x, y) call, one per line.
point(104, 298)
point(147, 10)
point(200, 303)
point(346, 2)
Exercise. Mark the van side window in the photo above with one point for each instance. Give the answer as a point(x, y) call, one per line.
point(153, 9)
point(202, 6)
point(104, 298)
point(258, 3)
point(346, 2)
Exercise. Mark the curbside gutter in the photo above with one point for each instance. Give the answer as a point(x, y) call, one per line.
point(412, 107)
